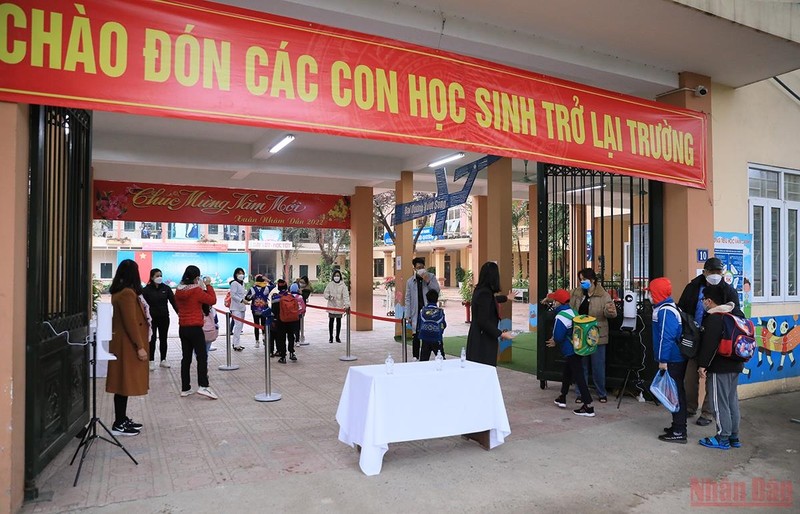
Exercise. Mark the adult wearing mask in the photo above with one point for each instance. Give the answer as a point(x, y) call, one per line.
point(127, 375)
point(158, 295)
point(666, 334)
point(591, 299)
point(417, 289)
point(691, 302)
point(482, 340)
point(191, 295)
point(338, 298)
point(305, 291)
point(238, 306)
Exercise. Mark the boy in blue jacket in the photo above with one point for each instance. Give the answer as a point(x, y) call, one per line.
point(666, 334)
point(573, 368)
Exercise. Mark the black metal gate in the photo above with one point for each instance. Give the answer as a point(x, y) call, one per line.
point(612, 224)
point(59, 283)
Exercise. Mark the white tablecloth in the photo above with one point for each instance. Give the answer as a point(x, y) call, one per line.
point(418, 402)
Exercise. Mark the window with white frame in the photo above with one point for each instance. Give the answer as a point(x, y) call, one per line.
point(774, 207)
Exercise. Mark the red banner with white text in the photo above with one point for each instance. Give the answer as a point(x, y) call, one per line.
point(206, 61)
point(196, 204)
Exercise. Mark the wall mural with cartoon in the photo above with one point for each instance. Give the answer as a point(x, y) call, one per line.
point(777, 336)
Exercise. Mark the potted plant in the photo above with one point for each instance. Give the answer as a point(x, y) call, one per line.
point(465, 290)
point(459, 276)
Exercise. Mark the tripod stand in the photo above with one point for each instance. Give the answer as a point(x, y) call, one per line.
point(90, 431)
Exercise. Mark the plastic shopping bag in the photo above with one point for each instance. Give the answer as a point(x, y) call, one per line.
point(665, 390)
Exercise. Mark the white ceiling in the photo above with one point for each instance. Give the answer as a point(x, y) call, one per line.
point(635, 47)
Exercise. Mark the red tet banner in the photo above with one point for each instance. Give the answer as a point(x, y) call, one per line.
point(160, 202)
point(200, 60)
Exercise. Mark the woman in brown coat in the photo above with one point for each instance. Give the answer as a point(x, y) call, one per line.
point(128, 374)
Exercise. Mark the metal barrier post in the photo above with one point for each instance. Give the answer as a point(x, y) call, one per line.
point(302, 341)
point(269, 395)
point(347, 357)
point(403, 339)
point(228, 366)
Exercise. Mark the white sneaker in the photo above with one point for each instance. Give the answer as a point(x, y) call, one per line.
point(258, 345)
point(152, 365)
point(206, 391)
point(212, 349)
point(165, 364)
point(184, 394)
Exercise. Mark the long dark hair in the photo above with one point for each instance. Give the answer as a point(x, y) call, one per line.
point(190, 275)
point(127, 275)
point(153, 274)
point(489, 277)
point(236, 272)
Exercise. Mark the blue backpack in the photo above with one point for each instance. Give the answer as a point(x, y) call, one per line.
point(259, 301)
point(431, 324)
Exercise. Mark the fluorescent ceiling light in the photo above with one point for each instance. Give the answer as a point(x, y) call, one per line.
point(588, 188)
point(283, 142)
point(445, 160)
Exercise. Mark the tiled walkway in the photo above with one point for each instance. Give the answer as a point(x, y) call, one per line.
point(196, 444)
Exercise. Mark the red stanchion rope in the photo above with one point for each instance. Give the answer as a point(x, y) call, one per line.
point(354, 313)
point(256, 325)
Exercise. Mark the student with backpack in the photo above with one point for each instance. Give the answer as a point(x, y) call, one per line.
point(258, 296)
point(666, 336)
point(210, 326)
point(286, 311)
point(293, 327)
point(431, 327)
point(573, 367)
point(720, 372)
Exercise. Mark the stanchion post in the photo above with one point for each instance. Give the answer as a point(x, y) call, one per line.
point(347, 357)
point(302, 341)
point(403, 339)
point(228, 366)
point(269, 395)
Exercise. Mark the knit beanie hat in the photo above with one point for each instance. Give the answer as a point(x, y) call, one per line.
point(660, 289)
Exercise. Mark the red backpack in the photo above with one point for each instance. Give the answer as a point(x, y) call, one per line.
point(738, 338)
point(289, 309)
point(227, 300)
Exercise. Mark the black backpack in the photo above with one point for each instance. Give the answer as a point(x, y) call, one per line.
point(690, 334)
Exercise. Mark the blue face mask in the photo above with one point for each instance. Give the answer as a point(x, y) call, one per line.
point(585, 284)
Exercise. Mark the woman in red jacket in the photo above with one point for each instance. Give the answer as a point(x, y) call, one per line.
point(190, 296)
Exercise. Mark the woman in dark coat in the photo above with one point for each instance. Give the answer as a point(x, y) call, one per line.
point(482, 341)
point(158, 295)
point(128, 375)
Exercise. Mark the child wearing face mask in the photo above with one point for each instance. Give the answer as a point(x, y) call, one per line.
point(158, 295)
point(339, 298)
point(691, 301)
point(238, 306)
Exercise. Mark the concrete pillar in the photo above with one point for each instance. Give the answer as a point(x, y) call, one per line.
point(533, 247)
point(480, 224)
point(13, 274)
point(498, 240)
point(437, 260)
point(403, 233)
point(388, 263)
point(361, 239)
point(685, 205)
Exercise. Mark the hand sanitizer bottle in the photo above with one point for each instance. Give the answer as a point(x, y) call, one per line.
point(463, 356)
point(389, 365)
point(439, 361)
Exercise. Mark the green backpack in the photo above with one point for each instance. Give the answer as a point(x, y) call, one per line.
point(585, 334)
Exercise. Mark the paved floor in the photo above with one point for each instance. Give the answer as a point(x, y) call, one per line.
point(238, 455)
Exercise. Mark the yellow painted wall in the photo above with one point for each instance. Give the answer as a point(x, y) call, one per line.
point(757, 124)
